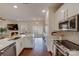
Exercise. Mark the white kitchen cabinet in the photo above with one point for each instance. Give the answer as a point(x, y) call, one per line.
point(60, 16)
point(19, 46)
point(69, 9)
point(28, 42)
point(72, 9)
point(64, 12)
point(23, 42)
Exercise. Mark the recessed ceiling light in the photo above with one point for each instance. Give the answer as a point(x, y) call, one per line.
point(43, 11)
point(15, 6)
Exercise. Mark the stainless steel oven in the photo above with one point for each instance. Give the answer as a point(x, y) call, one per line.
point(58, 53)
point(60, 50)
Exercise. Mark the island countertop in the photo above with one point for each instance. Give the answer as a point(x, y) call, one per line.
point(7, 41)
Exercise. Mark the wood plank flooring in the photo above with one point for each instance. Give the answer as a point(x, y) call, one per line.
point(39, 49)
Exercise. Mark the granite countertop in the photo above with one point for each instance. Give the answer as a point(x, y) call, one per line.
point(7, 41)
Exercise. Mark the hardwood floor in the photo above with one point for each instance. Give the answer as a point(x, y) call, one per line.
point(39, 49)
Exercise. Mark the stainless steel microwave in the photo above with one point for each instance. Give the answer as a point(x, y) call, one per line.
point(71, 24)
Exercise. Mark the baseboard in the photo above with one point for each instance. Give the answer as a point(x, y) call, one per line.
point(25, 49)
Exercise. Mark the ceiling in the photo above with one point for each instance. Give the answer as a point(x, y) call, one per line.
point(24, 12)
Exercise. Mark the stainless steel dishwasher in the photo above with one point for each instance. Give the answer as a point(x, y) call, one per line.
point(9, 50)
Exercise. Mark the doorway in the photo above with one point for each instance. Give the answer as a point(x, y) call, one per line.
point(38, 36)
point(37, 31)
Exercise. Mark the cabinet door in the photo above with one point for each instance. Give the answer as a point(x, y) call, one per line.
point(73, 9)
point(21, 47)
point(28, 42)
point(23, 42)
point(60, 15)
point(70, 10)
point(63, 12)
point(17, 47)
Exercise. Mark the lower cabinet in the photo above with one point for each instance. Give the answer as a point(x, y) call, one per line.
point(19, 46)
point(28, 42)
point(25, 42)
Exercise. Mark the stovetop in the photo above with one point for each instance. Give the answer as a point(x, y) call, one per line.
point(68, 44)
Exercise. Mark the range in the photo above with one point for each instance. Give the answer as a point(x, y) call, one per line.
point(66, 48)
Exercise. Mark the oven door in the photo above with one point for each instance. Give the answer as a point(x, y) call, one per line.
point(60, 52)
point(73, 23)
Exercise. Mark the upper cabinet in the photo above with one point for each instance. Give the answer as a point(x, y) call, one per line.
point(60, 15)
point(69, 9)
point(73, 9)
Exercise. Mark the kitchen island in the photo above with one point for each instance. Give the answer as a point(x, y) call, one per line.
point(22, 41)
point(6, 42)
point(7, 48)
